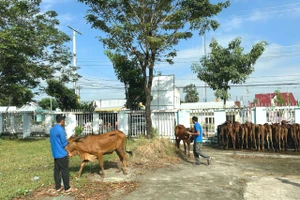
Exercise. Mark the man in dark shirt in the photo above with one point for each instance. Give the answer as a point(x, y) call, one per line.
point(58, 142)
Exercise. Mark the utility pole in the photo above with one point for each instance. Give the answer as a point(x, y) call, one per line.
point(79, 87)
point(204, 54)
point(74, 54)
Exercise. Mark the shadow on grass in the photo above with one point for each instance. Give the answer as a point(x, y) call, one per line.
point(18, 139)
point(93, 167)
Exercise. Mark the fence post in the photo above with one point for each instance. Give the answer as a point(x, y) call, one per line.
point(95, 123)
point(1, 124)
point(48, 123)
point(123, 122)
point(220, 118)
point(70, 124)
point(26, 124)
point(297, 115)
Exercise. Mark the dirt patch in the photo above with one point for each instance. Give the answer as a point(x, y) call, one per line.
point(232, 175)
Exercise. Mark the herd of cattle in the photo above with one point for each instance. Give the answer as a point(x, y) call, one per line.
point(240, 136)
point(276, 137)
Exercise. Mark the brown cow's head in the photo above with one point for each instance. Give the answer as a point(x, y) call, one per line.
point(72, 146)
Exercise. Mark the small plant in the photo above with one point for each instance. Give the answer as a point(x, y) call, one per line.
point(78, 130)
point(154, 133)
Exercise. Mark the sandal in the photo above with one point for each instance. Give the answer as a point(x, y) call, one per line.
point(70, 190)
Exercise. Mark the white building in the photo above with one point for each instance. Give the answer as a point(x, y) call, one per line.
point(165, 95)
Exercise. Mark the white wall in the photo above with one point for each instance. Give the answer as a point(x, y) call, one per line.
point(165, 95)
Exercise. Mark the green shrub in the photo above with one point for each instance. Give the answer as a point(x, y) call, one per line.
point(78, 130)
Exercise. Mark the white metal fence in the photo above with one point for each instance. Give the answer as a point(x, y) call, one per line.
point(133, 123)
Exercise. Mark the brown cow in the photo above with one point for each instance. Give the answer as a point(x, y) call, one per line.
point(229, 132)
point(251, 131)
point(245, 134)
point(276, 130)
point(180, 134)
point(292, 130)
point(268, 136)
point(221, 130)
point(260, 137)
point(94, 147)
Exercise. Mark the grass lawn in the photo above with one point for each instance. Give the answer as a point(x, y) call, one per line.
point(28, 165)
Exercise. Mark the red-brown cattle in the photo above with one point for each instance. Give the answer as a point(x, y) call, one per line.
point(276, 130)
point(221, 130)
point(260, 137)
point(180, 134)
point(230, 134)
point(251, 131)
point(292, 132)
point(269, 136)
point(94, 147)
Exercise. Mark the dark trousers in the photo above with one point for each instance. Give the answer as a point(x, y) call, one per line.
point(61, 170)
point(197, 152)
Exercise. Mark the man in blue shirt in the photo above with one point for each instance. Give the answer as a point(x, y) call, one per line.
point(58, 142)
point(198, 134)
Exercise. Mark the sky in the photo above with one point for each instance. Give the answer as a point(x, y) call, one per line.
point(273, 21)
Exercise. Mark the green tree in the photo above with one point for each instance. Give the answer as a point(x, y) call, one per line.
point(31, 49)
point(65, 97)
point(225, 66)
point(191, 93)
point(46, 103)
point(88, 106)
point(129, 73)
point(279, 98)
point(149, 30)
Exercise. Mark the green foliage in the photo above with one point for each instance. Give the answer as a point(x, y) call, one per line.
point(32, 49)
point(279, 98)
point(86, 106)
point(129, 73)
point(65, 97)
point(46, 104)
point(78, 130)
point(227, 65)
point(149, 30)
point(191, 93)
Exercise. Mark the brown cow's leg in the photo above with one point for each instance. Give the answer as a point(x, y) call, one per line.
point(188, 148)
point(184, 145)
point(233, 139)
point(246, 137)
point(100, 159)
point(262, 133)
point(177, 142)
point(81, 167)
point(122, 162)
point(227, 141)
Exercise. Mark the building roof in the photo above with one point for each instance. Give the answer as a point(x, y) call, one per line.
point(31, 106)
point(268, 99)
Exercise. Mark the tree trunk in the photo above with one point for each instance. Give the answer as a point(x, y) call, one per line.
point(224, 103)
point(148, 87)
point(148, 113)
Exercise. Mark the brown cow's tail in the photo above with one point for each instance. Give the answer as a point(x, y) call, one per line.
point(129, 152)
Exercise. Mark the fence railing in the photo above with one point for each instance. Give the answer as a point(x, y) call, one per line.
point(133, 123)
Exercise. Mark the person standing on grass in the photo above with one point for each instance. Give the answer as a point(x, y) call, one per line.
point(58, 142)
point(198, 134)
